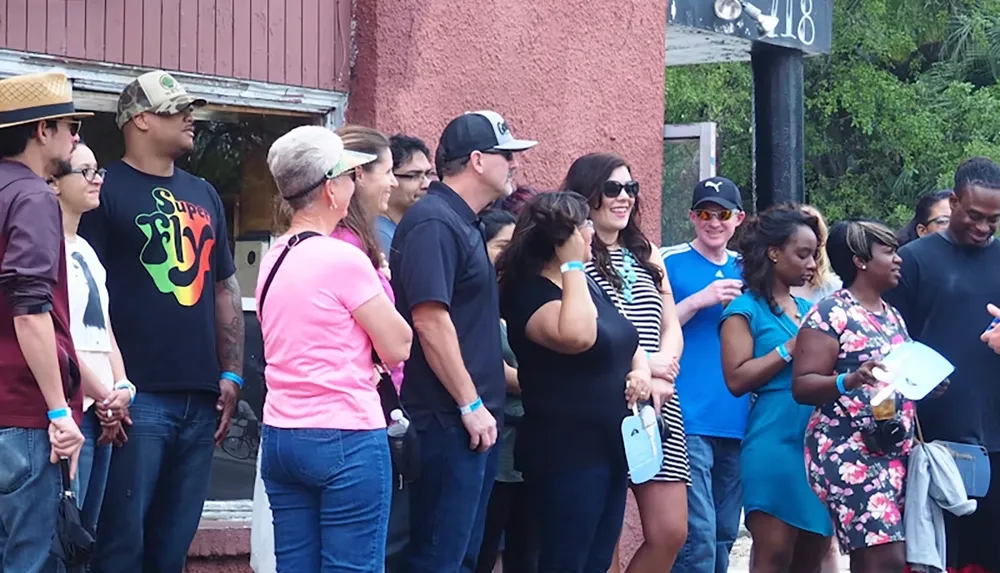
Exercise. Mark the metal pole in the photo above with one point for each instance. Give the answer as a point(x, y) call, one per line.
point(779, 148)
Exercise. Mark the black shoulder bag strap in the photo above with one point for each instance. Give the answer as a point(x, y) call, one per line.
point(295, 240)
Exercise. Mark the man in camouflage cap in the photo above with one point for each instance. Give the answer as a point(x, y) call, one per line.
point(154, 92)
point(177, 312)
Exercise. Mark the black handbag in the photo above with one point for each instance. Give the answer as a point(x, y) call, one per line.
point(404, 449)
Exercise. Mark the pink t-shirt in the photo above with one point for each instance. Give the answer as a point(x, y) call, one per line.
point(348, 236)
point(319, 360)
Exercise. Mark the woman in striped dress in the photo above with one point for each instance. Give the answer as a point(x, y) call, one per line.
point(625, 265)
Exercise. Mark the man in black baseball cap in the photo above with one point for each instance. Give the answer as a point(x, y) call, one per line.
point(483, 133)
point(719, 191)
point(704, 277)
point(446, 289)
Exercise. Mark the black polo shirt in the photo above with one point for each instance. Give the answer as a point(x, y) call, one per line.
point(439, 255)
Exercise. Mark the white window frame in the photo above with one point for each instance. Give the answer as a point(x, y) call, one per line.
point(705, 133)
point(96, 86)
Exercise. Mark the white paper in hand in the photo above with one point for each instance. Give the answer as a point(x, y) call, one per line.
point(914, 370)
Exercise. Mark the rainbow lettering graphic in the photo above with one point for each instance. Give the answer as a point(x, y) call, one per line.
point(178, 249)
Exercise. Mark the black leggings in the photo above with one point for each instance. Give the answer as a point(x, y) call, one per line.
point(509, 516)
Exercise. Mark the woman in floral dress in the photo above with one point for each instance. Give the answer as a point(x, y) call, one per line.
point(856, 454)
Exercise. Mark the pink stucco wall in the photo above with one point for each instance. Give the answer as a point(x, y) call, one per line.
point(577, 75)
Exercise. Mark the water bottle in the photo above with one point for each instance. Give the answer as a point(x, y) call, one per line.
point(398, 425)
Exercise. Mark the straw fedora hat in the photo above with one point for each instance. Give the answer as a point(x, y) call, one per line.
point(36, 97)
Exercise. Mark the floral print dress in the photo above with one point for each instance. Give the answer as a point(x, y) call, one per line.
point(862, 489)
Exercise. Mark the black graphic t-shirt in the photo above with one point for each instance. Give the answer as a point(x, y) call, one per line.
point(163, 241)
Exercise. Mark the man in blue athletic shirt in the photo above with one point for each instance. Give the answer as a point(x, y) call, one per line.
point(705, 276)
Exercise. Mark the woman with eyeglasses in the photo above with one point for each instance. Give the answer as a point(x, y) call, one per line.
point(790, 526)
point(931, 214)
point(107, 391)
point(856, 453)
point(580, 368)
point(628, 269)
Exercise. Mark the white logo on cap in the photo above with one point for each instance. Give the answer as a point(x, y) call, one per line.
point(715, 185)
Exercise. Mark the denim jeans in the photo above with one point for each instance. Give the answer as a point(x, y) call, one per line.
point(580, 514)
point(29, 500)
point(330, 492)
point(448, 503)
point(715, 501)
point(157, 484)
point(92, 473)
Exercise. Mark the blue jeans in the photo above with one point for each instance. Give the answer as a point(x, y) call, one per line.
point(580, 515)
point(29, 501)
point(92, 473)
point(157, 484)
point(330, 492)
point(715, 501)
point(448, 503)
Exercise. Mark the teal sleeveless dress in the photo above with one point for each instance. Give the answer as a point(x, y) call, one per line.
point(772, 460)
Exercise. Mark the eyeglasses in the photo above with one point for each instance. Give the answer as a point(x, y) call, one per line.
point(613, 189)
point(939, 221)
point(415, 175)
point(705, 215)
point(506, 154)
point(89, 173)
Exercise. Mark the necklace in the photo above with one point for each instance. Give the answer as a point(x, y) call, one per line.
point(627, 273)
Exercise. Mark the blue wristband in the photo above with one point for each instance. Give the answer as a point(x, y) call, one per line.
point(471, 407)
point(58, 413)
point(571, 266)
point(840, 383)
point(783, 353)
point(233, 377)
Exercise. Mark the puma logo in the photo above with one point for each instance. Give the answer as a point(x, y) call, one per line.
point(714, 185)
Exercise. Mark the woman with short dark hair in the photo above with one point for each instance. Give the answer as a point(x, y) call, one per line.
point(931, 214)
point(579, 369)
point(856, 452)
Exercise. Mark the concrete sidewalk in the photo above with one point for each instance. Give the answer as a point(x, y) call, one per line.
point(739, 559)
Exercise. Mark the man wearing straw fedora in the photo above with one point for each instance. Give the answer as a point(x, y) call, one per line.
point(40, 398)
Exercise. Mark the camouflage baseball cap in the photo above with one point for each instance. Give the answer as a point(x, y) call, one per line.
point(156, 92)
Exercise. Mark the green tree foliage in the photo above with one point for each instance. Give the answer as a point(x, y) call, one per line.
point(909, 90)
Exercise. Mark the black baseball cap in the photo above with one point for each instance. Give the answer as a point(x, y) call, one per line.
point(478, 131)
point(718, 190)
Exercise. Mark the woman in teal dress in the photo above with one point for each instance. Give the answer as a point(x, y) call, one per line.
point(789, 524)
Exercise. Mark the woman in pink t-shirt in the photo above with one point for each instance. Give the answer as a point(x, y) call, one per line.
point(373, 182)
point(324, 454)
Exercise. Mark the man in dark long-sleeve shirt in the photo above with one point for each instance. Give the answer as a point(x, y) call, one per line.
point(40, 398)
point(947, 280)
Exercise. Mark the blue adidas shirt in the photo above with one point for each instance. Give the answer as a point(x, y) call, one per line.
point(708, 407)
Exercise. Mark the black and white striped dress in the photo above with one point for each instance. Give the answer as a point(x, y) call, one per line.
point(646, 313)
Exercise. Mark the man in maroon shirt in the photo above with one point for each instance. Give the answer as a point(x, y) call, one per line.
point(38, 365)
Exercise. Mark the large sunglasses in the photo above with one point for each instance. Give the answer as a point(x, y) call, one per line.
point(705, 215)
point(613, 189)
point(73, 125)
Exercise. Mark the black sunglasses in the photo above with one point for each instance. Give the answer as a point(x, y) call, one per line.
point(506, 154)
point(613, 189)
